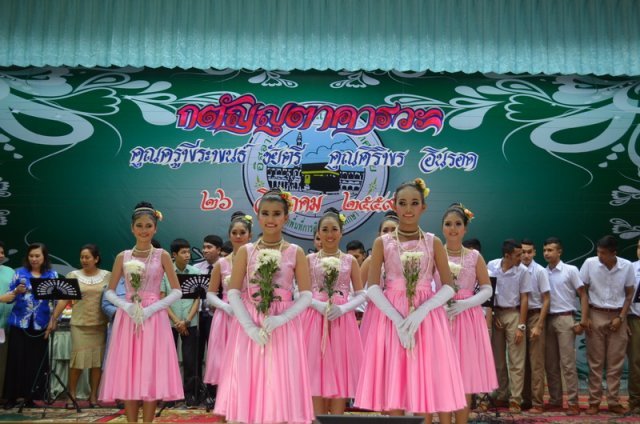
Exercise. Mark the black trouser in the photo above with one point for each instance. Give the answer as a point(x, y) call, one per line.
point(205, 329)
point(27, 364)
point(189, 382)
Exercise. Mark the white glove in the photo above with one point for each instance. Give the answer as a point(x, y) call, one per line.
point(274, 321)
point(379, 299)
point(245, 320)
point(337, 311)
point(319, 305)
point(127, 307)
point(164, 303)
point(477, 299)
point(214, 300)
point(413, 321)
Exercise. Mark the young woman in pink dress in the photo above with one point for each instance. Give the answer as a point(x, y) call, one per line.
point(330, 329)
point(469, 327)
point(389, 224)
point(239, 235)
point(265, 378)
point(410, 361)
point(142, 363)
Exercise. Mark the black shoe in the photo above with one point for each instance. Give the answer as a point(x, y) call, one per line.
point(10, 404)
point(29, 403)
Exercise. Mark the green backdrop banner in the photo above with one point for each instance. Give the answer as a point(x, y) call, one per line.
point(531, 156)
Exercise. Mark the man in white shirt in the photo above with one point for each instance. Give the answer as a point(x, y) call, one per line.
point(510, 316)
point(610, 282)
point(633, 347)
point(560, 343)
point(539, 299)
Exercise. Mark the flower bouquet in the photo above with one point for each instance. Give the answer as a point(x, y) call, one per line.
point(268, 263)
point(331, 269)
point(135, 269)
point(455, 272)
point(411, 271)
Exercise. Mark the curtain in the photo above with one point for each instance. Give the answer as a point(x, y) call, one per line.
point(599, 37)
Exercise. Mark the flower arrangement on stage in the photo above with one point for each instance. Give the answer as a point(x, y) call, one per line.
point(411, 271)
point(135, 269)
point(268, 263)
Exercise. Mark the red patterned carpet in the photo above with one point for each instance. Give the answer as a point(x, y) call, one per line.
point(57, 413)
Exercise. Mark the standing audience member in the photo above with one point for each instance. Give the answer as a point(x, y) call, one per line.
point(211, 249)
point(539, 299)
point(560, 343)
point(356, 249)
point(509, 322)
point(88, 323)
point(184, 320)
point(28, 330)
point(142, 365)
point(633, 348)
point(6, 296)
point(610, 282)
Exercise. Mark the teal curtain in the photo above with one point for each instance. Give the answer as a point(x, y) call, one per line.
point(599, 37)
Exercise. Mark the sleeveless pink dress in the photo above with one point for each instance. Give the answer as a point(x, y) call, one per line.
point(266, 384)
point(219, 334)
point(142, 365)
point(334, 373)
point(426, 378)
point(470, 335)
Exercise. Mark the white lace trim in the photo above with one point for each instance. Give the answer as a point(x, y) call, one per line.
point(90, 280)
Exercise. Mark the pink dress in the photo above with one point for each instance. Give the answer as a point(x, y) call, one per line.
point(142, 365)
point(266, 384)
point(365, 323)
point(470, 335)
point(426, 378)
point(334, 373)
point(219, 333)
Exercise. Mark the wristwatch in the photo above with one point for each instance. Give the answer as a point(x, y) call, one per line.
point(522, 327)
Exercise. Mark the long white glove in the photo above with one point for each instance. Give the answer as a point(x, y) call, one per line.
point(374, 293)
point(274, 321)
point(413, 321)
point(319, 305)
point(127, 307)
point(245, 320)
point(164, 303)
point(337, 311)
point(477, 299)
point(215, 301)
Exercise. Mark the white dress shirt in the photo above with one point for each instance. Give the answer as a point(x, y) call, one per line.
point(564, 281)
point(607, 286)
point(539, 284)
point(509, 284)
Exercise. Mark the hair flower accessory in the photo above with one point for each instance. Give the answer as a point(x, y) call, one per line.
point(342, 218)
point(467, 212)
point(158, 215)
point(248, 218)
point(286, 196)
point(422, 186)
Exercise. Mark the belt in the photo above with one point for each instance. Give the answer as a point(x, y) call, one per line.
point(535, 310)
point(632, 317)
point(597, 308)
point(507, 308)
point(559, 314)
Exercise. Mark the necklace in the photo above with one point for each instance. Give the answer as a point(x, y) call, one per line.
point(323, 254)
point(135, 249)
point(410, 234)
point(454, 252)
point(271, 244)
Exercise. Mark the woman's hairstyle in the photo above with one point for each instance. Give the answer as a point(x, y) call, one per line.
point(335, 214)
point(458, 208)
point(46, 264)
point(146, 208)
point(277, 195)
point(388, 216)
point(417, 184)
point(242, 218)
point(3, 246)
point(93, 249)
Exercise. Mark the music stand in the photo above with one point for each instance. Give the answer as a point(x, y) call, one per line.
point(489, 303)
point(193, 286)
point(53, 289)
